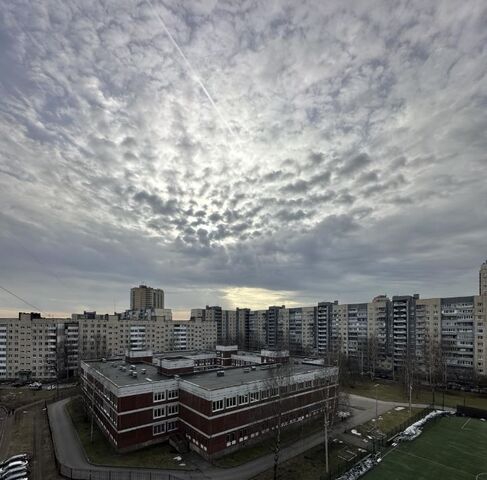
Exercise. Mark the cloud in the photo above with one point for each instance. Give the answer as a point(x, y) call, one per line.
point(359, 149)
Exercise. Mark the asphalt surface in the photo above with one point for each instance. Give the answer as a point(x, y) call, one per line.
point(70, 452)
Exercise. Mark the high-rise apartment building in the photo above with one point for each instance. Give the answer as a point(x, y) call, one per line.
point(144, 297)
point(483, 279)
point(29, 347)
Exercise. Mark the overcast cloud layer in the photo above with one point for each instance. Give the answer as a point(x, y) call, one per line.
point(283, 152)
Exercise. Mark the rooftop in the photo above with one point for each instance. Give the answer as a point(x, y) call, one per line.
point(237, 376)
point(122, 378)
point(207, 380)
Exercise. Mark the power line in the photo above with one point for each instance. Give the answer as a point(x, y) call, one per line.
point(21, 299)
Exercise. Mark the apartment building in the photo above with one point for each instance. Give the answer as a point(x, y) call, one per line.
point(299, 326)
point(29, 347)
point(3, 350)
point(379, 333)
point(105, 335)
point(229, 330)
point(110, 335)
point(324, 315)
point(212, 412)
point(483, 279)
point(144, 297)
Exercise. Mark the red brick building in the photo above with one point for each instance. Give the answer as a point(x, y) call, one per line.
point(214, 411)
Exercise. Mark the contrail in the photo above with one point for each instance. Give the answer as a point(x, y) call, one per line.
point(193, 71)
point(21, 299)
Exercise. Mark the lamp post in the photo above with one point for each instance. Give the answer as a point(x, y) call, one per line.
point(410, 393)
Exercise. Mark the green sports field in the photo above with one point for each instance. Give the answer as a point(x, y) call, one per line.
point(450, 448)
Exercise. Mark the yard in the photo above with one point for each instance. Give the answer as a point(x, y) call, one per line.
point(394, 392)
point(288, 436)
point(13, 398)
point(100, 452)
point(452, 447)
point(387, 422)
point(311, 464)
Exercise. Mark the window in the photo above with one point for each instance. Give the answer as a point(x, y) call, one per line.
point(264, 394)
point(274, 392)
point(172, 394)
point(254, 397)
point(308, 384)
point(217, 405)
point(243, 399)
point(172, 409)
point(172, 425)
point(231, 402)
point(158, 428)
point(159, 412)
point(159, 396)
point(231, 439)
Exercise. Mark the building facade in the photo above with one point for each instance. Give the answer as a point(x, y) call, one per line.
point(144, 297)
point(483, 279)
point(214, 412)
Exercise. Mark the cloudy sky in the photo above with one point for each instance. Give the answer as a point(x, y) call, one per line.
point(240, 152)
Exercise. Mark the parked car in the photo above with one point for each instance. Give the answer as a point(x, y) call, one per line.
point(35, 386)
point(22, 457)
point(15, 464)
point(15, 473)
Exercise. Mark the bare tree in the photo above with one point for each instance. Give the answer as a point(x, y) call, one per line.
point(278, 384)
point(372, 354)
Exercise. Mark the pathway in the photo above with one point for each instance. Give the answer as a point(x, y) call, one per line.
point(69, 450)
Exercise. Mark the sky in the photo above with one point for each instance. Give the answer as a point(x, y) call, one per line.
point(240, 153)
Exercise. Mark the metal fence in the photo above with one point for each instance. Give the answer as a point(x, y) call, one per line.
point(375, 446)
point(93, 474)
point(105, 473)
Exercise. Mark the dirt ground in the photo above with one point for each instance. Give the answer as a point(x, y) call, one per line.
point(28, 432)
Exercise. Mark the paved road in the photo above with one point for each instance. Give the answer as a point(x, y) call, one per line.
point(70, 452)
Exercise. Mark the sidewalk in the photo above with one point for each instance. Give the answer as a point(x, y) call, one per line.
point(70, 452)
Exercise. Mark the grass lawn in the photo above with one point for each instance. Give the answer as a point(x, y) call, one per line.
point(311, 465)
point(265, 447)
point(395, 393)
point(388, 421)
point(100, 451)
point(452, 447)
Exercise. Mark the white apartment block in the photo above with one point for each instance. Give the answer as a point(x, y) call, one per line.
point(29, 346)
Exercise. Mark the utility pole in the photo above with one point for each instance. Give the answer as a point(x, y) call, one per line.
point(326, 438)
point(92, 410)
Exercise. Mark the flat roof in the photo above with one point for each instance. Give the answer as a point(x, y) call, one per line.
point(207, 380)
point(237, 376)
point(121, 378)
